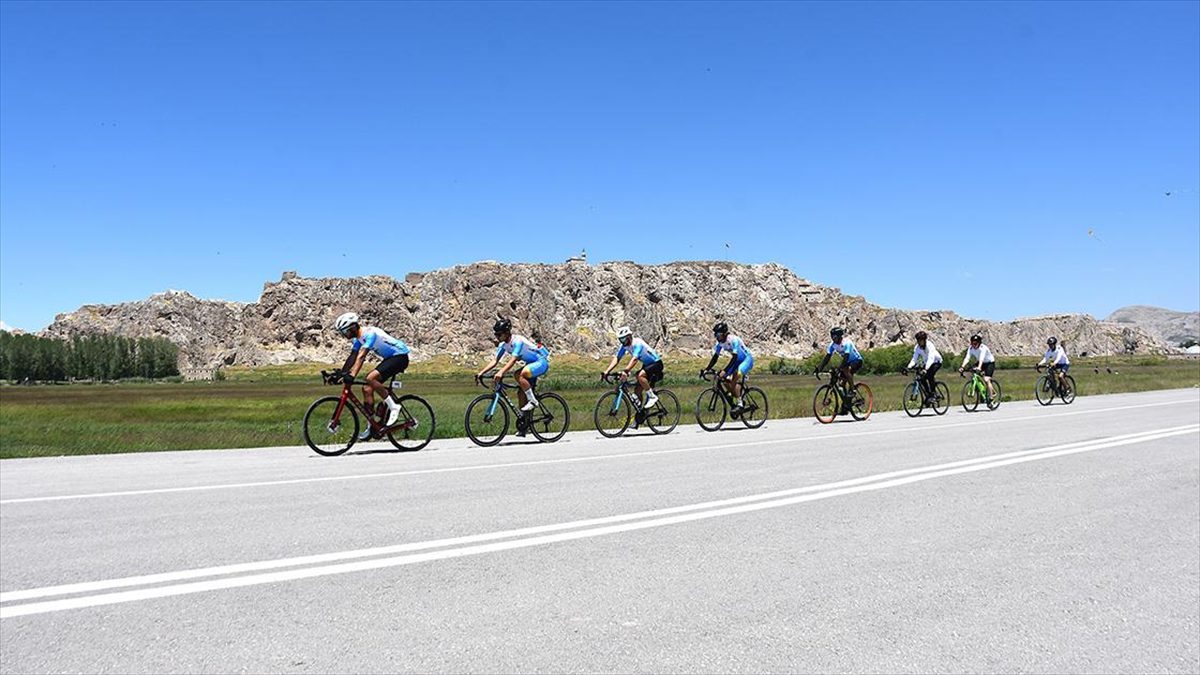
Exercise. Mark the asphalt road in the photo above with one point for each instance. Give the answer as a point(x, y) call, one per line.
point(1060, 539)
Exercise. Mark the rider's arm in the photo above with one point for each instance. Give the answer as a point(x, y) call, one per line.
point(495, 360)
point(913, 361)
point(508, 366)
point(966, 360)
point(350, 360)
point(629, 366)
point(713, 361)
point(611, 364)
point(1045, 359)
point(824, 362)
point(358, 362)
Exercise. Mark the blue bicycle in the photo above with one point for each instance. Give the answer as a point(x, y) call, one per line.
point(488, 416)
point(616, 408)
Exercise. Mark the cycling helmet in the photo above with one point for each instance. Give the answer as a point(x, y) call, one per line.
point(721, 327)
point(1052, 341)
point(836, 332)
point(502, 326)
point(921, 335)
point(623, 332)
point(977, 338)
point(344, 322)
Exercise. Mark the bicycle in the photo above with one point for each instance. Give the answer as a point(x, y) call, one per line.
point(835, 399)
point(488, 415)
point(325, 423)
point(977, 390)
point(1048, 387)
point(615, 408)
point(915, 399)
point(713, 405)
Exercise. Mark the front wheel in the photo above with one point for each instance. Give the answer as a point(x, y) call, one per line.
point(1068, 394)
point(913, 400)
point(863, 403)
point(710, 410)
point(552, 418)
point(664, 416)
point(324, 434)
point(994, 401)
point(415, 428)
point(486, 424)
point(754, 414)
point(1043, 391)
point(826, 404)
point(970, 396)
point(612, 414)
point(941, 402)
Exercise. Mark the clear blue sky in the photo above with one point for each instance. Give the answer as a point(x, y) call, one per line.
point(924, 155)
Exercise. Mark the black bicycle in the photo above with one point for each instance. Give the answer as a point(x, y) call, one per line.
point(716, 403)
point(331, 424)
point(916, 399)
point(837, 398)
point(616, 408)
point(488, 416)
point(1048, 386)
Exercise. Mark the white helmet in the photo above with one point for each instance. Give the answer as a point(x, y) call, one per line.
point(624, 332)
point(345, 321)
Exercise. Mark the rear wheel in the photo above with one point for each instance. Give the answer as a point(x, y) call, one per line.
point(323, 434)
point(941, 403)
point(755, 413)
point(970, 396)
point(994, 402)
point(710, 410)
point(484, 428)
point(612, 415)
point(1068, 394)
point(863, 403)
point(1043, 391)
point(552, 418)
point(826, 404)
point(664, 416)
point(913, 400)
point(415, 426)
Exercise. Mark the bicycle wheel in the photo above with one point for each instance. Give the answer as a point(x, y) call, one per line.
point(483, 428)
point(551, 418)
point(994, 402)
point(970, 396)
point(415, 428)
point(1043, 391)
point(612, 415)
point(912, 400)
point(710, 410)
point(1068, 394)
point(863, 403)
point(826, 404)
point(325, 437)
point(664, 416)
point(941, 401)
point(755, 414)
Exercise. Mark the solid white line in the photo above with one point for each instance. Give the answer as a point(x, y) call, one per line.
point(916, 475)
point(568, 460)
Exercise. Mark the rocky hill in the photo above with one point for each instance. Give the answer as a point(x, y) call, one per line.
point(1170, 326)
point(573, 307)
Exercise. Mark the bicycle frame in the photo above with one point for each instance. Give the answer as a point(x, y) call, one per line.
point(348, 398)
point(622, 393)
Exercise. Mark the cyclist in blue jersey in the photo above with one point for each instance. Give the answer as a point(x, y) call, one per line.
point(650, 370)
point(395, 361)
point(518, 348)
point(740, 363)
point(852, 361)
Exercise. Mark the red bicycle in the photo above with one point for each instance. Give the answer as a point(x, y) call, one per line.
point(331, 425)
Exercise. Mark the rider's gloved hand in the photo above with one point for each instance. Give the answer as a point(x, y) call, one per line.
point(904, 371)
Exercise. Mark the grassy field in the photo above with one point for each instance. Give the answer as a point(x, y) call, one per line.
point(264, 407)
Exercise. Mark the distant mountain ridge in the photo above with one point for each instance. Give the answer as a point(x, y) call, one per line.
point(1170, 326)
point(574, 307)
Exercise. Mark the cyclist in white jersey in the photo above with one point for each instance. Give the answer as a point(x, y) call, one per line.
point(928, 357)
point(395, 361)
point(985, 362)
point(650, 368)
point(1056, 357)
point(519, 348)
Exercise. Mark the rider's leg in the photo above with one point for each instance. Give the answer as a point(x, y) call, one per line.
point(522, 377)
point(930, 382)
point(526, 378)
point(642, 384)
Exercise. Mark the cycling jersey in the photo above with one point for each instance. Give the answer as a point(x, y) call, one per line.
point(378, 341)
point(1056, 357)
point(928, 356)
point(734, 345)
point(523, 348)
point(983, 355)
point(640, 351)
point(846, 349)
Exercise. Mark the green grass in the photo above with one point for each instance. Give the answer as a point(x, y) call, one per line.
point(264, 407)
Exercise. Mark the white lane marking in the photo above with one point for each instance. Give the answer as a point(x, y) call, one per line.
point(730, 507)
point(221, 570)
point(567, 460)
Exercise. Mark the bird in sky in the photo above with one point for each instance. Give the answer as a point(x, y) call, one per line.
point(1093, 235)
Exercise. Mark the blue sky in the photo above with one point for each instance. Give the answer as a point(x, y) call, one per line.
point(945, 155)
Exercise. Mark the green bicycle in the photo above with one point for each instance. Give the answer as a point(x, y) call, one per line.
point(976, 390)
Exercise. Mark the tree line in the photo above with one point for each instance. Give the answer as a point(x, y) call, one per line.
point(96, 357)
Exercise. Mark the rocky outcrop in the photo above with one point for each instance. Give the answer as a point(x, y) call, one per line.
point(1174, 328)
point(573, 307)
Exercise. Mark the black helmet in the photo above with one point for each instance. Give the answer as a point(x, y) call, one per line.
point(977, 338)
point(921, 335)
point(502, 326)
point(836, 332)
point(720, 327)
point(1052, 341)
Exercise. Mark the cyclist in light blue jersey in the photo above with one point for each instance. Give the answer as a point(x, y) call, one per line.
point(852, 361)
point(518, 348)
point(395, 361)
point(650, 370)
point(740, 363)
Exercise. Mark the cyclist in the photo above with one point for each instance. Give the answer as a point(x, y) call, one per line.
point(395, 361)
point(852, 361)
point(650, 370)
point(519, 348)
point(1056, 356)
point(740, 363)
point(985, 362)
point(925, 354)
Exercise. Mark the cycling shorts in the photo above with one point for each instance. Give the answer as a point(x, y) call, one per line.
point(537, 368)
point(989, 368)
point(654, 372)
point(854, 366)
point(392, 366)
point(742, 366)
